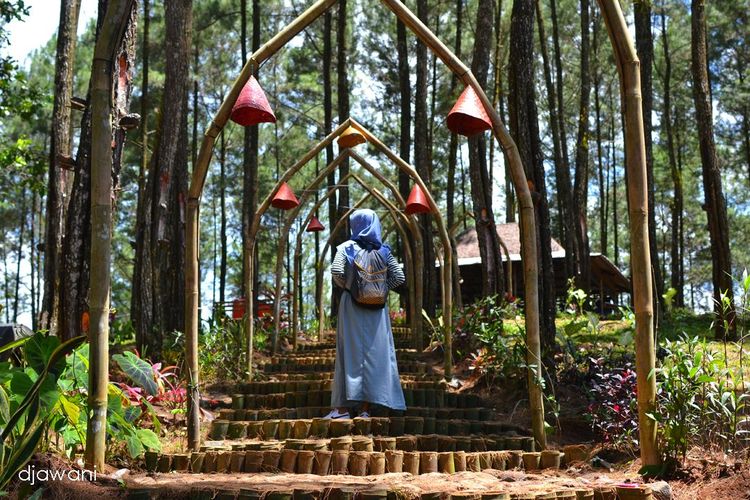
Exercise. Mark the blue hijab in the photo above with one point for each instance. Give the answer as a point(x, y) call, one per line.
point(365, 231)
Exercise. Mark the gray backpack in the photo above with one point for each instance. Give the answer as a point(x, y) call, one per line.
point(368, 283)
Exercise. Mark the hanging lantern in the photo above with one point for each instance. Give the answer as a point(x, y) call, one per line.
point(284, 198)
point(251, 107)
point(350, 138)
point(468, 116)
point(315, 226)
point(417, 202)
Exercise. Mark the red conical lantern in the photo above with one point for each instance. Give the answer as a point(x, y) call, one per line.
point(284, 198)
point(251, 107)
point(417, 202)
point(468, 116)
point(315, 226)
point(350, 138)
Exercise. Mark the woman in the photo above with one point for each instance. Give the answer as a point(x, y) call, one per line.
point(366, 370)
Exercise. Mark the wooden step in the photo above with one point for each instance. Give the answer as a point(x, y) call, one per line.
point(356, 463)
point(479, 413)
point(295, 436)
point(420, 398)
point(272, 387)
point(268, 428)
point(328, 376)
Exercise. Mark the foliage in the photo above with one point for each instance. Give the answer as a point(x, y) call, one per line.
point(494, 348)
point(30, 399)
point(576, 298)
point(612, 410)
point(222, 351)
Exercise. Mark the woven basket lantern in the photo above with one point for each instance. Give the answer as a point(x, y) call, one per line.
point(315, 226)
point(252, 107)
point(417, 202)
point(350, 138)
point(468, 116)
point(284, 198)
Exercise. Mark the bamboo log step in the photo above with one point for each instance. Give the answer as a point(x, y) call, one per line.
point(332, 352)
point(420, 398)
point(479, 413)
point(329, 376)
point(301, 428)
point(273, 387)
point(322, 462)
point(407, 367)
point(297, 363)
point(295, 437)
point(400, 342)
point(532, 489)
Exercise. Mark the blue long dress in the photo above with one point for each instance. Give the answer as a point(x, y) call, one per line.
point(366, 369)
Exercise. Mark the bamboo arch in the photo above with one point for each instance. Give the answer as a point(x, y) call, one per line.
point(394, 213)
point(518, 177)
point(415, 285)
point(629, 69)
point(446, 272)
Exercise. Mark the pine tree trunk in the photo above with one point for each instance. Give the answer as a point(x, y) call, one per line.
point(677, 202)
point(223, 218)
point(343, 111)
point(453, 146)
point(19, 255)
point(564, 183)
point(580, 187)
point(164, 232)
point(58, 179)
point(644, 42)
point(481, 194)
point(422, 162)
point(715, 205)
point(110, 77)
point(525, 130)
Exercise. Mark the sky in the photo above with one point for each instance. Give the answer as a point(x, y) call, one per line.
point(39, 26)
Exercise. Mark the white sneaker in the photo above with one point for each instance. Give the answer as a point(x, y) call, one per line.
point(334, 414)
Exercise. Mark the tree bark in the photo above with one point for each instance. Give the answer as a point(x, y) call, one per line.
point(422, 161)
point(58, 179)
point(404, 80)
point(453, 146)
point(525, 130)
point(677, 201)
point(163, 235)
point(110, 96)
point(481, 194)
point(564, 184)
point(715, 203)
point(19, 254)
point(644, 42)
point(223, 218)
point(580, 187)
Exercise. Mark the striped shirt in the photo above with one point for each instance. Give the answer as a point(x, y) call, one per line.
point(338, 270)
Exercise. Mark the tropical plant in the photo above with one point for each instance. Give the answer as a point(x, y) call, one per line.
point(32, 401)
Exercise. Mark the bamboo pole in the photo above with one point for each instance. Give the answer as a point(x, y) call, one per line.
point(110, 36)
point(192, 236)
point(628, 67)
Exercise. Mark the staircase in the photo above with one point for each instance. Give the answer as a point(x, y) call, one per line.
point(274, 430)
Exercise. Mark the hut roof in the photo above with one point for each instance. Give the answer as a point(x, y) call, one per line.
point(467, 245)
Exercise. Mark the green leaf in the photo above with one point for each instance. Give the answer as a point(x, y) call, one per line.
point(4, 406)
point(21, 454)
point(138, 370)
point(69, 409)
point(135, 448)
point(14, 344)
point(6, 371)
point(149, 439)
point(38, 351)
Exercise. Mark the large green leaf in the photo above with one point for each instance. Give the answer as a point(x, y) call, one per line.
point(138, 370)
point(4, 406)
point(6, 371)
point(22, 383)
point(14, 344)
point(32, 398)
point(135, 447)
point(38, 350)
point(21, 454)
point(149, 439)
